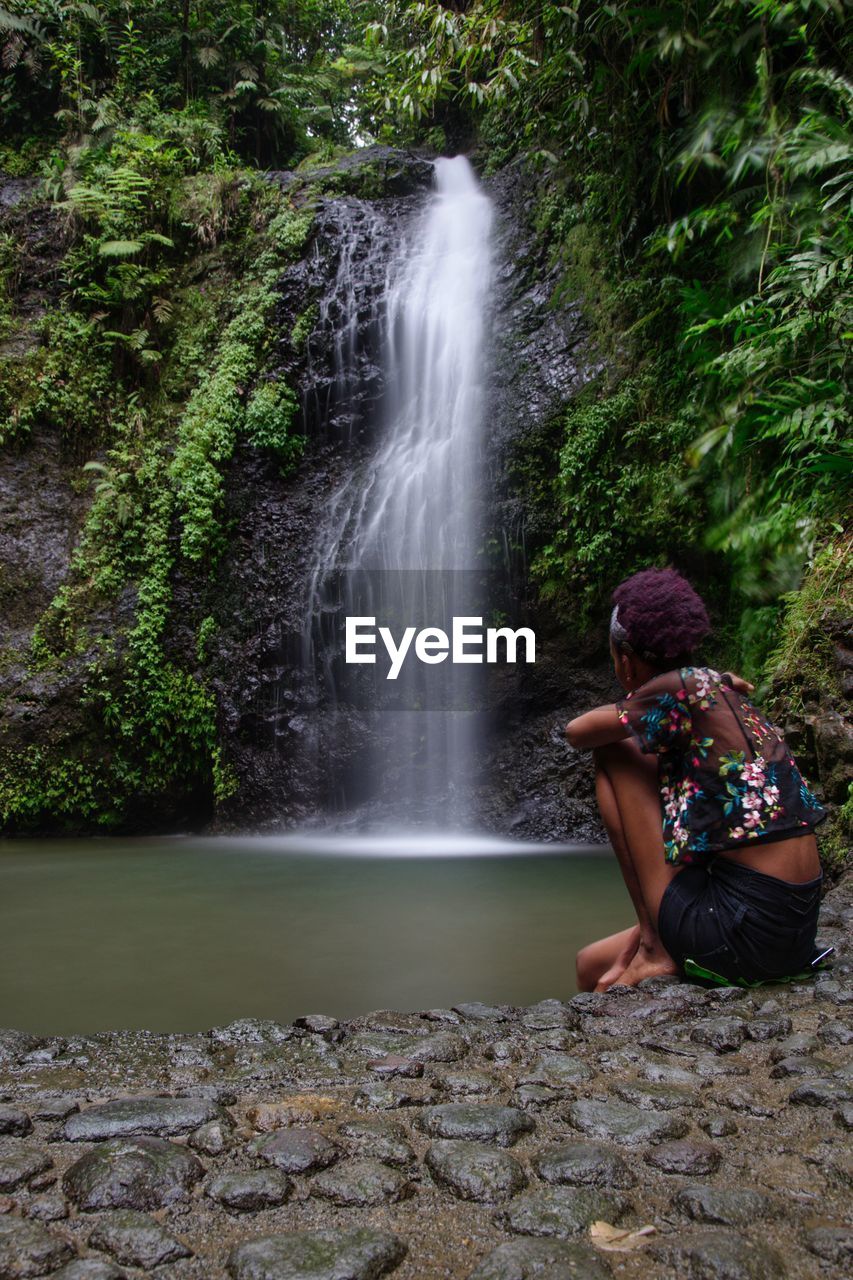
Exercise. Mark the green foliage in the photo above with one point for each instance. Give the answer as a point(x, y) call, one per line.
point(619, 496)
point(269, 417)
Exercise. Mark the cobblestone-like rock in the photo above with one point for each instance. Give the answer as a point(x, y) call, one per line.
point(559, 1070)
point(361, 1182)
point(380, 1138)
point(297, 1150)
point(363, 1254)
point(720, 1255)
point(257, 1189)
point(833, 1244)
point(15, 1122)
point(621, 1122)
point(584, 1164)
point(50, 1207)
point(541, 1260)
point(724, 1035)
point(604, 1103)
point(473, 1171)
point(137, 1240)
point(464, 1083)
point(19, 1164)
point(685, 1157)
point(132, 1173)
point(211, 1139)
point(476, 1122)
point(29, 1249)
point(726, 1206)
point(89, 1269)
point(561, 1211)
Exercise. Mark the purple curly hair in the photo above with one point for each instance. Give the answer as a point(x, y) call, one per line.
point(658, 616)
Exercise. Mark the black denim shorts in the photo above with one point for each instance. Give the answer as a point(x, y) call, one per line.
point(739, 922)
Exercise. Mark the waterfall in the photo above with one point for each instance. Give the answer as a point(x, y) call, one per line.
point(403, 537)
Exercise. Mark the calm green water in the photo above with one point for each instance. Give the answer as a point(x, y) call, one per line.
point(184, 933)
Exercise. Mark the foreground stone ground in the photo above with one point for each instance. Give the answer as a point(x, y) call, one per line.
point(475, 1142)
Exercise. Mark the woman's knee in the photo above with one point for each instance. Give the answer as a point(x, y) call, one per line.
point(587, 966)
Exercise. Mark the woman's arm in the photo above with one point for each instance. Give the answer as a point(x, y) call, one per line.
point(596, 728)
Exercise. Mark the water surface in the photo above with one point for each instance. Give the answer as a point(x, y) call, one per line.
point(182, 933)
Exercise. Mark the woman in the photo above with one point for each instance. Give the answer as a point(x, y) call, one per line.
point(730, 879)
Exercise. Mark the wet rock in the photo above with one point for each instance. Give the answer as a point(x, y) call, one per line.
point(691, 1158)
point(658, 1097)
point(211, 1139)
point(360, 1182)
point(29, 1249)
point(18, 1164)
point(794, 1046)
point(364, 1254)
point(320, 1023)
point(718, 1126)
point(724, 1206)
point(818, 1093)
point(550, 1013)
point(560, 1211)
point(536, 1095)
point(251, 1031)
point(723, 1035)
point(54, 1108)
point(257, 1189)
point(14, 1044)
point(385, 1096)
point(381, 1139)
point(476, 1011)
point(844, 1116)
point(441, 1046)
point(541, 1260)
point(748, 1102)
point(800, 1065)
point(470, 1083)
point(137, 1240)
point(623, 1123)
point(132, 1116)
point(473, 1171)
point(14, 1122)
point(583, 1164)
point(558, 1070)
point(719, 1255)
point(89, 1269)
point(835, 1033)
point(379, 1044)
point(132, 1173)
point(393, 1064)
point(297, 1150)
point(768, 1028)
point(50, 1207)
point(833, 1244)
point(476, 1122)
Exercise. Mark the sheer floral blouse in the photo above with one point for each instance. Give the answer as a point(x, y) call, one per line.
point(726, 775)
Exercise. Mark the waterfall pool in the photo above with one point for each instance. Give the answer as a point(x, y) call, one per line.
point(183, 933)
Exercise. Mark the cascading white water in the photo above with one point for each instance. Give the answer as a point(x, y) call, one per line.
point(412, 513)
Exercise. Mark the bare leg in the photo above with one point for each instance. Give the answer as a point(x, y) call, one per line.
point(602, 963)
point(629, 801)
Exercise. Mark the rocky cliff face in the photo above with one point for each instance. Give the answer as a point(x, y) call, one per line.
point(288, 768)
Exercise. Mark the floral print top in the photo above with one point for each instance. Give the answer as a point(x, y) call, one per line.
point(726, 775)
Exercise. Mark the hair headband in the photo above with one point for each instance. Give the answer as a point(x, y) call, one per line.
point(620, 639)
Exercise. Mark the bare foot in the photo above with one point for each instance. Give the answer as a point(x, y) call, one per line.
point(647, 963)
point(620, 964)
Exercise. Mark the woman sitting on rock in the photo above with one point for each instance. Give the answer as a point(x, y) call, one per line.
point(731, 881)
